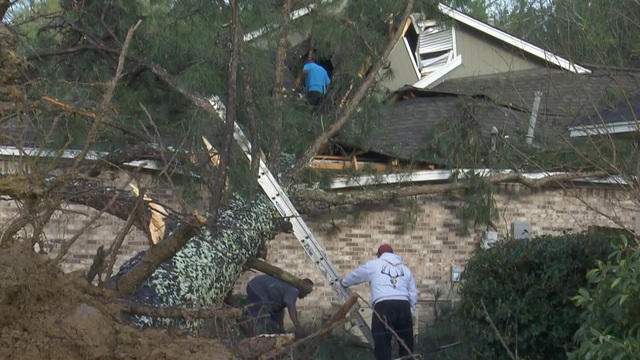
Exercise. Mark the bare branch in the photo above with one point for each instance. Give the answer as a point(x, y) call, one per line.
point(117, 242)
point(373, 196)
point(93, 132)
point(279, 273)
point(495, 330)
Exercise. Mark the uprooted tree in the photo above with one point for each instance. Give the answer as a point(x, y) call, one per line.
point(91, 87)
point(113, 82)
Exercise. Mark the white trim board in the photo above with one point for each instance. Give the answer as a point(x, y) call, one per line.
point(413, 60)
point(604, 129)
point(431, 79)
point(344, 182)
point(512, 40)
point(72, 154)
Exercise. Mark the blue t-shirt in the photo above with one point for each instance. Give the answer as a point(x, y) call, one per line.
point(273, 291)
point(317, 78)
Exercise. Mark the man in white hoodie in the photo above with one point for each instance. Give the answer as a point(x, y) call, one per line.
point(393, 297)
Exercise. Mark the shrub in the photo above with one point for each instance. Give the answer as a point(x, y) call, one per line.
point(527, 288)
point(610, 323)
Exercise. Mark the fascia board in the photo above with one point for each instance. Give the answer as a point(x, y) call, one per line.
point(72, 154)
point(426, 176)
point(413, 60)
point(430, 79)
point(604, 129)
point(514, 41)
point(298, 13)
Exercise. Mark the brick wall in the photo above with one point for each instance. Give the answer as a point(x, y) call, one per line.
point(436, 241)
point(430, 247)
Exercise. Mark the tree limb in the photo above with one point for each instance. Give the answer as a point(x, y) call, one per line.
point(382, 195)
point(357, 97)
point(176, 312)
point(281, 53)
point(165, 249)
point(279, 273)
point(495, 330)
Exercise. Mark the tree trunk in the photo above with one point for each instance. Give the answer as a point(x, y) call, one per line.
point(204, 270)
point(281, 54)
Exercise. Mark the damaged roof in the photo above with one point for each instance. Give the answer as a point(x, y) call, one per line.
point(503, 100)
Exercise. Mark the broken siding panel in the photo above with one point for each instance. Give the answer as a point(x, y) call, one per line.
point(435, 41)
point(435, 49)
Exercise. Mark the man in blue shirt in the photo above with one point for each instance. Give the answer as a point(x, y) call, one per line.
point(266, 299)
point(316, 81)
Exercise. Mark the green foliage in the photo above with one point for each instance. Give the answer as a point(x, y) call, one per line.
point(599, 31)
point(610, 322)
point(458, 142)
point(407, 214)
point(478, 205)
point(527, 288)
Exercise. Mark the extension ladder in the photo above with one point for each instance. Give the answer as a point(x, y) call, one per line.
point(311, 246)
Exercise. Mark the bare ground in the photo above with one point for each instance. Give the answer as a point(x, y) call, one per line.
point(47, 314)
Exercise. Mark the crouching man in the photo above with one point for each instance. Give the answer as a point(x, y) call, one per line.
point(267, 297)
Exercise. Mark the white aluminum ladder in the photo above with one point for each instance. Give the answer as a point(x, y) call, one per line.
point(311, 246)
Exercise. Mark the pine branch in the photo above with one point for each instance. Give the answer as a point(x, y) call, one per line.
point(225, 151)
point(281, 54)
point(374, 196)
point(312, 150)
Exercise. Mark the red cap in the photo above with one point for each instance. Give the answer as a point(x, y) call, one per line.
point(384, 248)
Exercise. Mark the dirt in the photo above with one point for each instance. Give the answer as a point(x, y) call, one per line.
point(47, 314)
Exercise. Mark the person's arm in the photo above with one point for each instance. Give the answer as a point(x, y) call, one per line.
point(413, 292)
point(293, 315)
point(357, 276)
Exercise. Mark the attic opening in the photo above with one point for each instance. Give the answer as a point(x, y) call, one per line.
point(430, 44)
point(320, 59)
point(340, 156)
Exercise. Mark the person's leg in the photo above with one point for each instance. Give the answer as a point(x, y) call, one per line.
point(254, 307)
point(314, 97)
point(381, 335)
point(276, 316)
point(404, 327)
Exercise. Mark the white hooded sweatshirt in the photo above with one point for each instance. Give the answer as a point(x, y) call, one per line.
point(388, 277)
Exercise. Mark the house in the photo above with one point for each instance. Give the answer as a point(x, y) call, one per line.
point(470, 73)
point(618, 118)
point(430, 53)
point(566, 105)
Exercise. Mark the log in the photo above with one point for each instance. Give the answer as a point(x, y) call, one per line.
point(269, 269)
point(205, 269)
point(164, 250)
point(217, 312)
